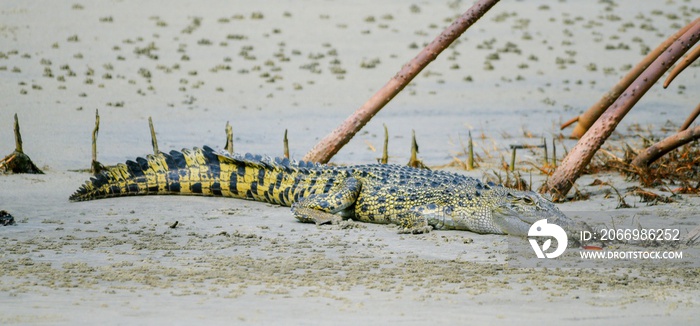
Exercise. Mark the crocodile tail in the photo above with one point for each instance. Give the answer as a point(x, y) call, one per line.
point(189, 172)
point(202, 172)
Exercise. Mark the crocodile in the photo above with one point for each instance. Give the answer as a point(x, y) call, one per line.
point(417, 200)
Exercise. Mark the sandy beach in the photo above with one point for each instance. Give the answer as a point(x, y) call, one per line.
point(304, 66)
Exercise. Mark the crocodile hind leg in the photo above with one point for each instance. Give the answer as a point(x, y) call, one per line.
point(322, 208)
point(408, 219)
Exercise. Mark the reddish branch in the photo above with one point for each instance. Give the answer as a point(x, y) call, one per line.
point(692, 56)
point(587, 119)
point(654, 152)
point(333, 142)
point(691, 118)
point(573, 164)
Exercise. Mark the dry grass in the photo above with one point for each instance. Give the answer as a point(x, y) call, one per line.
point(677, 172)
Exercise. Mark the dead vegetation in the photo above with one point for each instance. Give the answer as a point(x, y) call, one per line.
point(17, 161)
point(677, 172)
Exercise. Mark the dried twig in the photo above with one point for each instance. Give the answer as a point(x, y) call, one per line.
point(554, 153)
point(285, 141)
point(229, 138)
point(95, 166)
point(649, 197)
point(470, 154)
point(385, 150)
point(18, 136)
point(516, 147)
point(17, 161)
point(414, 161)
point(154, 141)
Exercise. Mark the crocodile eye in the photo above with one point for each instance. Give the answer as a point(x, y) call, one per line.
point(524, 198)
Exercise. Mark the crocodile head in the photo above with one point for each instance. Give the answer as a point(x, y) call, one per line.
point(520, 209)
point(507, 211)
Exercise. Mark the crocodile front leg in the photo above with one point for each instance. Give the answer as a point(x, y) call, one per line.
point(413, 222)
point(322, 208)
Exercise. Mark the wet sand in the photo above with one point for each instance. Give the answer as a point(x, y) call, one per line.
point(512, 79)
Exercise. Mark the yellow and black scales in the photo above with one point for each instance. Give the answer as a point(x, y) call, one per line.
point(415, 199)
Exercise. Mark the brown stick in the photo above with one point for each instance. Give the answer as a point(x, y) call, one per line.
point(285, 143)
point(333, 142)
point(691, 118)
point(17, 161)
point(654, 152)
point(385, 150)
point(18, 136)
point(229, 138)
point(589, 117)
point(554, 152)
point(95, 166)
point(690, 58)
point(154, 140)
point(570, 122)
point(470, 153)
point(414, 161)
point(573, 164)
point(95, 131)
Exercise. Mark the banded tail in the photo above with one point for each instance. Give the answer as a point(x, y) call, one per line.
point(206, 172)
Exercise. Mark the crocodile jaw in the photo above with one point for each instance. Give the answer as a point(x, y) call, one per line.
point(516, 223)
point(521, 209)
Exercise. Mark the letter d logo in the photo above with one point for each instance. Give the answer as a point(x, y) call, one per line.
point(543, 229)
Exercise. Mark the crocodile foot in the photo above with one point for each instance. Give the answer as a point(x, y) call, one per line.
point(416, 230)
point(308, 215)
